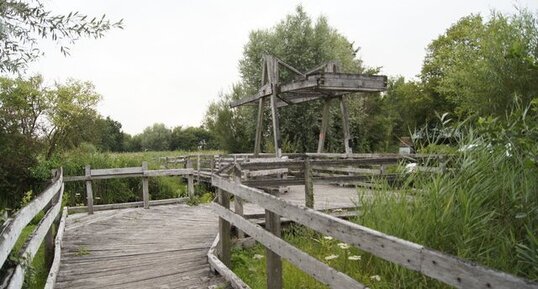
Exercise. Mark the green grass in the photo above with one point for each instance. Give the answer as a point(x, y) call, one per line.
point(484, 209)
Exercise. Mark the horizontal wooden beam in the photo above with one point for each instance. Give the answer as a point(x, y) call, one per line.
point(81, 209)
point(220, 267)
point(119, 173)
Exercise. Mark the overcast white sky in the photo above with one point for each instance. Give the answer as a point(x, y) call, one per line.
point(174, 57)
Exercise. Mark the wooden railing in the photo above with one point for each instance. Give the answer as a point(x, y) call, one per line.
point(49, 201)
point(445, 268)
point(131, 172)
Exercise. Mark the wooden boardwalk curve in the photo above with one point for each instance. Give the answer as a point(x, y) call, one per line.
point(163, 247)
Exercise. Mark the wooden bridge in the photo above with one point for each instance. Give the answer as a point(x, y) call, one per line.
point(167, 244)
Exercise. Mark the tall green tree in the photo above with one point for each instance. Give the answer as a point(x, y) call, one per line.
point(479, 67)
point(156, 138)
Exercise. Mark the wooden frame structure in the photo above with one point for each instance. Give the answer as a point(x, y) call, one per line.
point(322, 83)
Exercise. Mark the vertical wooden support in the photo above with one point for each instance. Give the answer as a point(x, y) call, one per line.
point(238, 202)
point(382, 169)
point(308, 184)
point(324, 125)
point(345, 125)
point(259, 123)
point(212, 165)
point(190, 178)
point(49, 237)
point(89, 191)
point(273, 260)
point(198, 169)
point(145, 186)
point(225, 244)
point(271, 64)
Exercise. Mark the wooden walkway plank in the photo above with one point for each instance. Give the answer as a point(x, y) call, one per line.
point(161, 247)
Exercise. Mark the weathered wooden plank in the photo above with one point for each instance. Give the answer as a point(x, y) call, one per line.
point(302, 260)
point(225, 231)
point(145, 186)
point(190, 179)
point(89, 191)
point(169, 172)
point(259, 128)
point(224, 271)
point(31, 247)
point(55, 267)
point(273, 262)
point(13, 226)
point(316, 180)
point(345, 125)
point(308, 184)
point(82, 209)
point(324, 125)
point(263, 173)
point(116, 171)
point(451, 270)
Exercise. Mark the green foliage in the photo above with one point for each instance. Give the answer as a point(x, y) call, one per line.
point(478, 67)
point(23, 23)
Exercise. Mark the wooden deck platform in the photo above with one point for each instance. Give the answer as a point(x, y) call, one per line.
point(163, 247)
point(327, 197)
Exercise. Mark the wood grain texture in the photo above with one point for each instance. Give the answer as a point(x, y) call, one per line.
point(162, 247)
point(13, 227)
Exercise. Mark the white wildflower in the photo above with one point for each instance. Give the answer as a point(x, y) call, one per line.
point(375, 277)
point(327, 237)
point(257, 257)
point(330, 257)
point(343, 246)
point(354, 258)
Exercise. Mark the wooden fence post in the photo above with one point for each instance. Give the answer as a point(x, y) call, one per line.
point(308, 184)
point(273, 261)
point(49, 237)
point(145, 186)
point(198, 169)
point(190, 178)
point(225, 229)
point(238, 202)
point(89, 191)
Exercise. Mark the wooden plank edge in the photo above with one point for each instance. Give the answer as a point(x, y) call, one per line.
point(55, 267)
point(83, 209)
point(224, 271)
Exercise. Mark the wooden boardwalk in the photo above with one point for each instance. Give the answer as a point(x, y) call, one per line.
point(163, 247)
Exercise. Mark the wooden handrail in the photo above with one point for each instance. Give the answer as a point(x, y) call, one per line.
point(443, 267)
point(51, 200)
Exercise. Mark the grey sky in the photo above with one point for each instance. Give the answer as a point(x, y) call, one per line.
point(174, 57)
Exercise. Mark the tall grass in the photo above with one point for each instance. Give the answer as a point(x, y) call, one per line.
point(113, 190)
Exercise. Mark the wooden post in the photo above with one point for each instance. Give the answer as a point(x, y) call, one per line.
point(49, 237)
point(345, 125)
point(145, 186)
point(89, 191)
point(308, 184)
point(272, 75)
point(190, 178)
point(225, 230)
point(273, 260)
point(238, 202)
point(198, 169)
point(259, 123)
point(324, 125)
